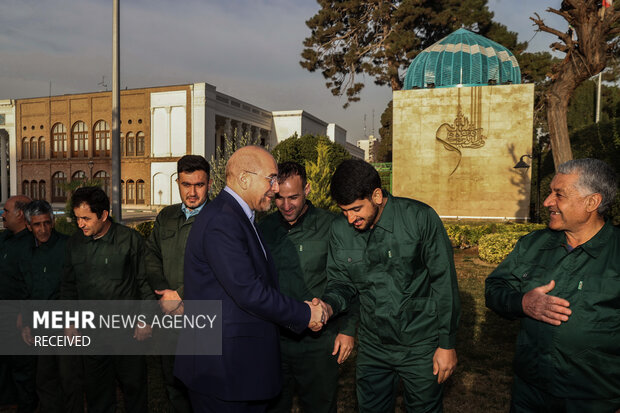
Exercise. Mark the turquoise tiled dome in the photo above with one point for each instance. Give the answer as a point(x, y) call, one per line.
point(463, 58)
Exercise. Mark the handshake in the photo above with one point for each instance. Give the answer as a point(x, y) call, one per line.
point(320, 312)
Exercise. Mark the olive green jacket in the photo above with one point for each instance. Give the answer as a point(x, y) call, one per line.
point(12, 247)
point(108, 268)
point(580, 358)
point(300, 255)
point(41, 267)
point(165, 249)
point(403, 270)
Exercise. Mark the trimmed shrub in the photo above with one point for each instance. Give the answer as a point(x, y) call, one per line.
point(145, 228)
point(468, 235)
point(494, 248)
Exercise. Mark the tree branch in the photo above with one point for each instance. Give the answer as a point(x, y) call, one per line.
point(543, 27)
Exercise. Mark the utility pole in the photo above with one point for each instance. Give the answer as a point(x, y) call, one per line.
point(116, 116)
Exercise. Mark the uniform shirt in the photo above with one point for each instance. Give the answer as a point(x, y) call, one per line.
point(165, 249)
point(581, 357)
point(41, 267)
point(403, 270)
point(107, 268)
point(300, 255)
point(12, 246)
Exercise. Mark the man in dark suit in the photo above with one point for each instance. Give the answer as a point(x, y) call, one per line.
point(225, 259)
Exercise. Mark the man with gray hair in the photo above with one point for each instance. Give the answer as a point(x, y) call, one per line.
point(563, 283)
point(58, 378)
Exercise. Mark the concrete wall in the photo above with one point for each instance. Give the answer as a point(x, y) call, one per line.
point(455, 148)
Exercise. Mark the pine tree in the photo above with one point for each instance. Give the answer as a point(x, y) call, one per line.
point(319, 176)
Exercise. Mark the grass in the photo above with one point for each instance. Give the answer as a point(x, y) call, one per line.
point(485, 348)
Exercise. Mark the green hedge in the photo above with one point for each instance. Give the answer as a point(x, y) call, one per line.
point(469, 235)
point(145, 228)
point(495, 247)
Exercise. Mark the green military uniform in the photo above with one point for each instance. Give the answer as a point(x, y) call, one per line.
point(109, 268)
point(17, 372)
point(58, 377)
point(579, 360)
point(165, 253)
point(403, 271)
point(300, 255)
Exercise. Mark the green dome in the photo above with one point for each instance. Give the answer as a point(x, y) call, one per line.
point(463, 58)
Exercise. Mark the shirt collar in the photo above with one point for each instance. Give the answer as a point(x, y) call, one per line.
point(594, 246)
point(244, 205)
point(190, 213)
point(386, 221)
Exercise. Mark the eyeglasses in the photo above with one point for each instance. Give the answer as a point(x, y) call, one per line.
point(272, 179)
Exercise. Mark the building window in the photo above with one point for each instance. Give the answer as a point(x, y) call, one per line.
point(59, 180)
point(123, 197)
point(33, 148)
point(140, 191)
point(41, 148)
point(79, 176)
point(59, 141)
point(34, 190)
point(104, 179)
point(25, 148)
point(131, 149)
point(102, 138)
point(26, 188)
point(131, 192)
point(140, 144)
point(122, 144)
point(79, 137)
point(42, 190)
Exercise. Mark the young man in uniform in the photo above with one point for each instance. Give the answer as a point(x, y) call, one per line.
point(297, 236)
point(165, 249)
point(395, 253)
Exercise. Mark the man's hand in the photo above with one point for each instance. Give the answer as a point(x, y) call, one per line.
point(317, 316)
point(547, 308)
point(170, 302)
point(143, 333)
point(327, 309)
point(344, 344)
point(444, 362)
point(27, 335)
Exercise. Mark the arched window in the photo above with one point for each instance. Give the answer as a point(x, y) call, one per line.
point(26, 188)
point(42, 192)
point(59, 179)
point(79, 137)
point(123, 197)
point(59, 141)
point(139, 191)
point(33, 148)
point(131, 149)
point(122, 144)
point(131, 191)
point(41, 148)
point(140, 144)
point(102, 138)
point(34, 189)
point(104, 178)
point(79, 176)
point(25, 148)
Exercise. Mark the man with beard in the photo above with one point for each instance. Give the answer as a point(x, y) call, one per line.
point(395, 253)
point(165, 249)
point(297, 235)
point(226, 260)
point(563, 283)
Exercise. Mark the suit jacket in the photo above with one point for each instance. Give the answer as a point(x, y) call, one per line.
point(224, 261)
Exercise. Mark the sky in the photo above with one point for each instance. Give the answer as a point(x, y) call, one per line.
point(249, 49)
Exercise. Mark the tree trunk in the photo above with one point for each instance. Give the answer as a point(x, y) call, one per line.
point(557, 107)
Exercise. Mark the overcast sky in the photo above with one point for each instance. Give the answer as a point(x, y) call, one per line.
point(249, 49)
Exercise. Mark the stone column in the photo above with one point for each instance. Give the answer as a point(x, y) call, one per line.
point(255, 134)
point(240, 129)
point(4, 179)
point(228, 129)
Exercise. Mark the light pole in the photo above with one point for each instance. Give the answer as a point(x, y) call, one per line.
point(523, 165)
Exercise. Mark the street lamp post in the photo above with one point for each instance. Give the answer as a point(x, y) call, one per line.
point(523, 165)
